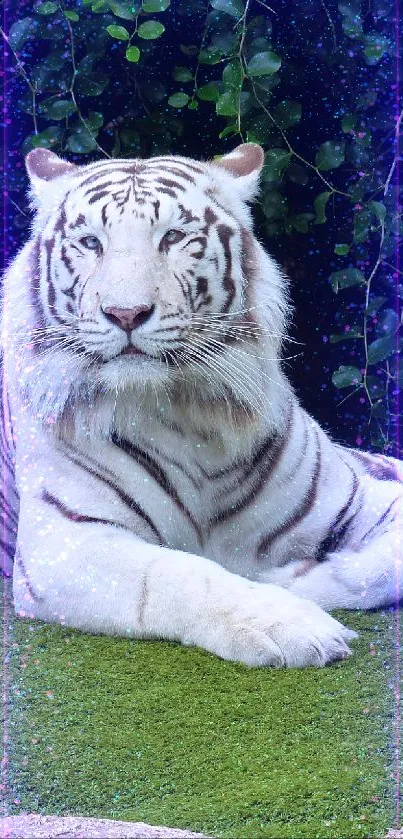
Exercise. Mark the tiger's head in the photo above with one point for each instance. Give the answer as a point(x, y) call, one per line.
point(146, 274)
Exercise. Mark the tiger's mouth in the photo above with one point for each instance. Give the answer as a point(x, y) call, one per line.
point(132, 350)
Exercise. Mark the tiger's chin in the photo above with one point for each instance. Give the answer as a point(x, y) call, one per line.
point(129, 369)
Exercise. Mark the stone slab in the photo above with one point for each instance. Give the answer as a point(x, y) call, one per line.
point(33, 826)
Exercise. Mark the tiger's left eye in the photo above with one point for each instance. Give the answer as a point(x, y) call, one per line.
point(91, 242)
point(173, 236)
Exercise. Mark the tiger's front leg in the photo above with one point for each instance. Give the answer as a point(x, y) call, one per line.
point(101, 579)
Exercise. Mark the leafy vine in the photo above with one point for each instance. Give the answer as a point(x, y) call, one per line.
point(240, 69)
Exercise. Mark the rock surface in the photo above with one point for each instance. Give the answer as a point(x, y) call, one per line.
point(71, 827)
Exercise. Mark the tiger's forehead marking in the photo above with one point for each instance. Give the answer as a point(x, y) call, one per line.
point(137, 183)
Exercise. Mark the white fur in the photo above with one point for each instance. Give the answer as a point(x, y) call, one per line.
point(216, 593)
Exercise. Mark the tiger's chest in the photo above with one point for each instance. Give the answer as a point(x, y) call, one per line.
point(199, 497)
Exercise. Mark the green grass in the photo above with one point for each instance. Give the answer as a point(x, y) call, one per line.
point(151, 731)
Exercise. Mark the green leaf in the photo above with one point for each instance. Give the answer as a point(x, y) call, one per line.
point(376, 387)
point(47, 139)
point(341, 250)
point(352, 27)
point(375, 304)
point(388, 323)
point(234, 8)
point(348, 123)
point(375, 46)
point(189, 49)
point(346, 376)
point(378, 209)
point(193, 105)
point(19, 32)
point(381, 349)
point(245, 102)
point(233, 75)
point(320, 207)
point(330, 155)
point(300, 221)
point(287, 113)
point(44, 78)
point(133, 54)
point(227, 104)
point(81, 141)
point(47, 8)
point(178, 100)
point(210, 56)
point(71, 15)
point(297, 174)
point(354, 332)
point(274, 204)
point(119, 32)
point(86, 64)
point(58, 108)
point(94, 121)
point(156, 5)
point(154, 91)
point(352, 23)
point(150, 30)
point(125, 10)
point(182, 74)
point(367, 100)
point(228, 130)
point(208, 92)
point(275, 161)
point(263, 64)
point(345, 278)
point(362, 220)
point(92, 85)
point(130, 137)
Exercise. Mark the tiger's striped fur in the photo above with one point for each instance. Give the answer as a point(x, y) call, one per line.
point(170, 483)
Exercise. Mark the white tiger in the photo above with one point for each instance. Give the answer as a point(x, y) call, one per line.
point(170, 484)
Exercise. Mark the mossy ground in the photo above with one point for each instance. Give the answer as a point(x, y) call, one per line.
point(151, 731)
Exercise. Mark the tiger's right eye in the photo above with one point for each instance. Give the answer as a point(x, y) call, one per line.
point(91, 242)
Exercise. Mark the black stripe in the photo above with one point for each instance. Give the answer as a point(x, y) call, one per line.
point(35, 291)
point(377, 466)
point(158, 474)
point(78, 517)
point(98, 195)
point(188, 164)
point(301, 512)
point(166, 191)
point(169, 183)
point(224, 234)
point(260, 469)
point(7, 548)
point(336, 533)
point(381, 519)
point(21, 565)
point(170, 170)
point(49, 247)
point(126, 499)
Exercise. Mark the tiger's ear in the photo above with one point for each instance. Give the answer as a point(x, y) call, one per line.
point(245, 164)
point(43, 166)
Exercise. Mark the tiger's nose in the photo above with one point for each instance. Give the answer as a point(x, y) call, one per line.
point(128, 319)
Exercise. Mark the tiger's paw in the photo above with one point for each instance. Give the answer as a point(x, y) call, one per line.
point(270, 626)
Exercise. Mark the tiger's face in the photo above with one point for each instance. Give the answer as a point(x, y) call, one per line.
point(144, 265)
point(138, 255)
